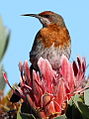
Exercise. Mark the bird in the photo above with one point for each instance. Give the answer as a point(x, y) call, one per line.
point(52, 40)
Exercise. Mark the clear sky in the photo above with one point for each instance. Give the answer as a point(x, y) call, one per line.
point(24, 29)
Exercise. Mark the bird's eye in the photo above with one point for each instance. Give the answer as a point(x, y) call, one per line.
point(47, 16)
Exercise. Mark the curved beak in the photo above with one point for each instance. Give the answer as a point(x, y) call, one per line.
point(32, 15)
point(43, 20)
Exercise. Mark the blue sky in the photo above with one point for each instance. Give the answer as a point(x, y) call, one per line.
point(24, 29)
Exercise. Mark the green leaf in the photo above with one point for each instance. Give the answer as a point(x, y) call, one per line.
point(77, 99)
point(81, 107)
point(61, 117)
point(4, 39)
point(86, 95)
point(19, 116)
point(72, 111)
point(22, 115)
point(26, 108)
point(2, 81)
point(84, 109)
point(25, 116)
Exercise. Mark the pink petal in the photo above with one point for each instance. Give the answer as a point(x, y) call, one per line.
point(47, 73)
point(6, 79)
point(27, 72)
point(60, 95)
point(67, 73)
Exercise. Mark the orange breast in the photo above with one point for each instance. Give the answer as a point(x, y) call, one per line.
point(56, 35)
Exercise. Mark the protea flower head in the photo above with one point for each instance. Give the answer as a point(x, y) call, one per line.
point(50, 93)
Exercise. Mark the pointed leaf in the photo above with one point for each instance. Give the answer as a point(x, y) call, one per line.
point(4, 39)
point(6, 43)
point(84, 110)
point(86, 95)
point(77, 99)
point(61, 117)
point(25, 116)
point(72, 111)
point(2, 81)
point(19, 116)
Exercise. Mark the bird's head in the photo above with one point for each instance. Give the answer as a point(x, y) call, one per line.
point(47, 18)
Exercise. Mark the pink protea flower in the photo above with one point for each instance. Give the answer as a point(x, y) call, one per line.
point(49, 94)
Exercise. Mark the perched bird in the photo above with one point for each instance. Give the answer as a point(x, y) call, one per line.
point(51, 41)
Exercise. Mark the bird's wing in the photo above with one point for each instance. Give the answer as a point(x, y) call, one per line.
point(35, 52)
